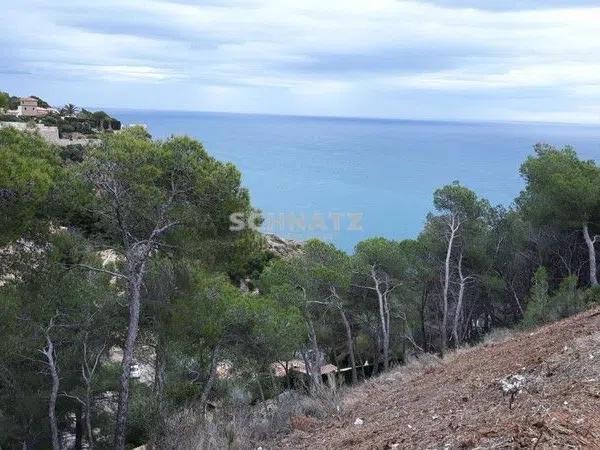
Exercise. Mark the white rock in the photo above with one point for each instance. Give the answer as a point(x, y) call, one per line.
point(358, 421)
point(512, 384)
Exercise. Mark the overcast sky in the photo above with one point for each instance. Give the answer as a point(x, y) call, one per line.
point(462, 59)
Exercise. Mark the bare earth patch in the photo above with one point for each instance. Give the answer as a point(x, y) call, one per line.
point(459, 402)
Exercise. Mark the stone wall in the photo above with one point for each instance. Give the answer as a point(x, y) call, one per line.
point(50, 134)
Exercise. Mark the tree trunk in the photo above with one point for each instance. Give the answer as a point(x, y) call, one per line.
point(423, 328)
point(592, 254)
point(159, 377)
point(517, 301)
point(261, 392)
point(444, 336)
point(50, 357)
point(404, 342)
point(459, 303)
point(212, 376)
point(350, 344)
point(362, 369)
point(88, 417)
point(385, 339)
point(314, 361)
point(78, 429)
point(378, 352)
point(135, 287)
point(87, 374)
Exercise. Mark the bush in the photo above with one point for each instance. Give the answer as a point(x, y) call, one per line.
point(591, 296)
point(73, 153)
point(143, 417)
point(50, 120)
point(66, 128)
point(9, 118)
point(545, 308)
point(237, 425)
point(568, 300)
point(536, 307)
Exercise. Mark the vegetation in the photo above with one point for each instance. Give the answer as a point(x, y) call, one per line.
point(70, 118)
point(126, 249)
point(69, 109)
point(4, 100)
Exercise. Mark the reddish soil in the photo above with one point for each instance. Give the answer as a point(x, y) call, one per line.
point(459, 403)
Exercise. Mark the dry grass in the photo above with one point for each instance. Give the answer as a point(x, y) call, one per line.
point(241, 426)
point(459, 403)
point(456, 402)
point(498, 335)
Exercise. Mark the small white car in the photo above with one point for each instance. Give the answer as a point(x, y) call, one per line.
point(135, 371)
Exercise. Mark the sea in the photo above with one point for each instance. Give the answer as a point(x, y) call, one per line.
point(348, 179)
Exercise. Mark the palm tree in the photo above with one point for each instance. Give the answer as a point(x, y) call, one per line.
point(69, 110)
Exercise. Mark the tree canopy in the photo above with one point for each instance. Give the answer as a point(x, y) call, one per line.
point(28, 170)
point(126, 296)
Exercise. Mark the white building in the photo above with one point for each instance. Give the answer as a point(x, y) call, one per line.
point(28, 107)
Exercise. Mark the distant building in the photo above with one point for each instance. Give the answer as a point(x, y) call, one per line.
point(296, 370)
point(283, 368)
point(28, 107)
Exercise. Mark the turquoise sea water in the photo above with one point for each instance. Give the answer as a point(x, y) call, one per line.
point(379, 172)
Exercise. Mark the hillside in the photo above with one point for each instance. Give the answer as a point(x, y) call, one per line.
point(459, 403)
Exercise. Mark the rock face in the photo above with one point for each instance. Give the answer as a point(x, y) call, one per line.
point(282, 248)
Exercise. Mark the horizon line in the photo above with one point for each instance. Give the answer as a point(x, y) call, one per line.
point(342, 117)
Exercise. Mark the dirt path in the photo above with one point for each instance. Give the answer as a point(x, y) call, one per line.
point(459, 403)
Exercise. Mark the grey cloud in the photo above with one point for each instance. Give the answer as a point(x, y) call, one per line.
point(409, 60)
point(143, 27)
point(306, 53)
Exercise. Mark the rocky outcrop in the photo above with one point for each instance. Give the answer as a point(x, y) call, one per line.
point(282, 248)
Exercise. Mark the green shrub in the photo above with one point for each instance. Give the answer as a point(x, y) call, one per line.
point(74, 153)
point(568, 300)
point(9, 118)
point(545, 308)
point(179, 393)
point(50, 120)
point(591, 296)
point(66, 128)
point(538, 299)
point(142, 418)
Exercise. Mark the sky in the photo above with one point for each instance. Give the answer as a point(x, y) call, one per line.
point(528, 60)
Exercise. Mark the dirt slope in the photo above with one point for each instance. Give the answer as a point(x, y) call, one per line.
point(458, 403)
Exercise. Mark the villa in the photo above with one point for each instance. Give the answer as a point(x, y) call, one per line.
point(28, 107)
